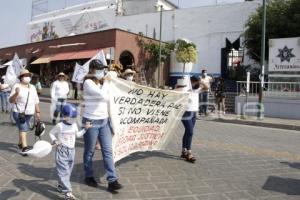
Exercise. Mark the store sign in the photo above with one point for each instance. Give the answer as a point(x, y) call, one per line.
point(67, 26)
point(284, 55)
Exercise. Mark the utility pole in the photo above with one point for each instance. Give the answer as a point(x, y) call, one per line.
point(262, 62)
point(160, 33)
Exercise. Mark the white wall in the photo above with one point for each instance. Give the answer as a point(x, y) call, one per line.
point(206, 26)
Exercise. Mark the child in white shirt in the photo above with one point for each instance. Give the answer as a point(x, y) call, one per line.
point(64, 135)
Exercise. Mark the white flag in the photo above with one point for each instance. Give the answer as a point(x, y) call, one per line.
point(81, 71)
point(13, 71)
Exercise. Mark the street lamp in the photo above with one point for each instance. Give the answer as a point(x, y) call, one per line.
point(160, 32)
point(262, 62)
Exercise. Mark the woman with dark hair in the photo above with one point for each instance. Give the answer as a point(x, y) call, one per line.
point(189, 116)
point(25, 101)
point(220, 96)
point(96, 96)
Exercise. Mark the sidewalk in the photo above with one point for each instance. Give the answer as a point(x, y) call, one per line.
point(288, 124)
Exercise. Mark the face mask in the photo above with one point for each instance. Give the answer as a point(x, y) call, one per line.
point(99, 74)
point(69, 121)
point(26, 80)
point(129, 78)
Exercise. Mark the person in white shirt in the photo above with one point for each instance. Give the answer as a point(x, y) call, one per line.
point(96, 97)
point(189, 116)
point(63, 135)
point(205, 82)
point(59, 94)
point(25, 103)
point(4, 92)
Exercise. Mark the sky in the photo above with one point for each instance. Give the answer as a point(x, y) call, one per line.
point(15, 15)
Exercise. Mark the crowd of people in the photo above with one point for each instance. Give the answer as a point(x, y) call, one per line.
point(96, 125)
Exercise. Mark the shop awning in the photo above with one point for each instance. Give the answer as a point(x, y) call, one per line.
point(42, 60)
point(85, 54)
point(62, 56)
point(74, 55)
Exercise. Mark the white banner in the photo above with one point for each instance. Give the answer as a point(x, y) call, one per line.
point(13, 71)
point(143, 118)
point(81, 71)
point(284, 55)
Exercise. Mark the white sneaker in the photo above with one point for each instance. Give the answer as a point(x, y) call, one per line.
point(69, 196)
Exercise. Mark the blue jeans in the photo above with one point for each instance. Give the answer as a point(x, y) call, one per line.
point(203, 97)
point(58, 107)
point(100, 130)
point(23, 127)
point(64, 159)
point(4, 101)
point(188, 120)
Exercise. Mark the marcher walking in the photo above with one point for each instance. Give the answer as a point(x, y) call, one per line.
point(96, 98)
point(25, 102)
point(189, 116)
point(4, 93)
point(59, 94)
point(63, 135)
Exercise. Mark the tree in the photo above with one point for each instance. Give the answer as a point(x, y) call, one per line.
point(283, 20)
point(186, 52)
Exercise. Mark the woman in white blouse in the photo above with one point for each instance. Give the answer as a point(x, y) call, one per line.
point(59, 94)
point(25, 102)
point(96, 98)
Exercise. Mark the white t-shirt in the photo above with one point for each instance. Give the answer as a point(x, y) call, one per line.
point(95, 100)
point(22, 98)
point(193, 102)
point(206, 81)
point(66, 134)
point(60, 90)
point(193, 99)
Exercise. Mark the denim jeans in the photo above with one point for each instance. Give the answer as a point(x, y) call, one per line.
point(100, 130)
point(23, 127)
point(58, 107)
point(188, 120)
point(203, 97)
point(4, 101)
point(64, 159)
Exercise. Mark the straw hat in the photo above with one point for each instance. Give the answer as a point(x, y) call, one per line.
point(25, 72)
point(61, 74)
point(128, 71)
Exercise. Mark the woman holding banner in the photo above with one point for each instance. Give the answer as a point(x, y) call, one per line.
point(189, 117)
point(96, 98)
point(25, 103)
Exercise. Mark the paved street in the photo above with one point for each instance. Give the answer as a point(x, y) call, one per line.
point(234, 162)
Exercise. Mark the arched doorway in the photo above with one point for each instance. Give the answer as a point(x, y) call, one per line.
point(126, 59)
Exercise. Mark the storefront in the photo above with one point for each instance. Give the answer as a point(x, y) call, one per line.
point(47, 58)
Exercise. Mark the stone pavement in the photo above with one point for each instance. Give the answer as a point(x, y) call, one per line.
point(234, 162)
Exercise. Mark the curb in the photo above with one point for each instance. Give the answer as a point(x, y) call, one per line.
point(259, 124)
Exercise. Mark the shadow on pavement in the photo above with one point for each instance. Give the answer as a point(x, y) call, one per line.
point(38, 187)
point(8, 194)
point(287, 186)
point(10, 147)
point(143, 155)
point(292, 164)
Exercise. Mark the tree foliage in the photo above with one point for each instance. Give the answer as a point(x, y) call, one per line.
point(283, 20)
point(186, 52)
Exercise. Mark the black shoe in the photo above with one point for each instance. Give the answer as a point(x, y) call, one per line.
point(114, 186)
point(53, 121)
point(20, 146)
point(90, 181)
point(59, 188)
point(25, 149)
